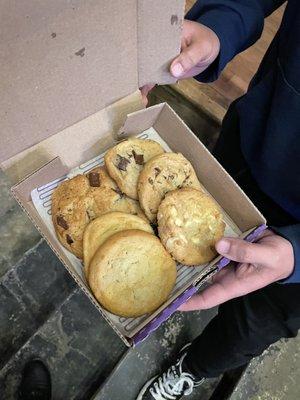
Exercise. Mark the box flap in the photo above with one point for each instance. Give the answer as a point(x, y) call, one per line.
point(75, 144)
point(159, 32)
point(52, 170)
point(63, 60)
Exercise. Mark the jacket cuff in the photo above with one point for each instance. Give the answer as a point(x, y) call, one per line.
point(236, 26)
point(213, 21)
point(292, 234)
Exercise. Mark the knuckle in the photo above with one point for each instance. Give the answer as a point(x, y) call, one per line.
point(243, 253)
point(277, 257)
point(189, 60)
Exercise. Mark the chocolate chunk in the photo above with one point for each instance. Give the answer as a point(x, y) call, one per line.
point(150, 180)
point(139, 158)
point(186, 179)
point(122, 163)
point(157, 171)
point(62, 222)
point(94, 179)
point(118, 191)
point(69, 239)
point(155, 228)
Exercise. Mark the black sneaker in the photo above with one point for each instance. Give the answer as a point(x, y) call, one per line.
point(36, 382)
point(172, 384)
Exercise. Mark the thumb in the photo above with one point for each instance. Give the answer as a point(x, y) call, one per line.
point(244, 252)
point(190, 57)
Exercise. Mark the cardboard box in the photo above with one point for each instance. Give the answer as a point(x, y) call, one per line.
point(71, 74)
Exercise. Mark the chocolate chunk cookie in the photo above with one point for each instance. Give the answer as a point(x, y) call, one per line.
point(125, 161)
point(160, 175)
point(81, 199)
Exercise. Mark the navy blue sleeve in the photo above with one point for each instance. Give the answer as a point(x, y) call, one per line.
point(237, 23)
point(292, 234)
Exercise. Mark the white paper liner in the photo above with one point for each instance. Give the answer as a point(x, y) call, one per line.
point(41, 198)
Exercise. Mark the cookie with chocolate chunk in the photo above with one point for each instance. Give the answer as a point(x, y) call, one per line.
point(190, 223)
point(125, 161)
point(81, 199)
point(160, 175)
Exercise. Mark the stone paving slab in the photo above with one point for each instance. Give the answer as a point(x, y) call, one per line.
point(17, 236)
point(6, 200)
point(16, 230)
point(275, 375)
point(29, 293)
point(154, 355)
point(78, 346)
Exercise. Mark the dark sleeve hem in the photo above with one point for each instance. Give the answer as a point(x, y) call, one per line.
point(292, 234)
point(238, 25)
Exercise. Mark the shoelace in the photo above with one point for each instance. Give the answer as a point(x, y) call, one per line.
point(171, 384)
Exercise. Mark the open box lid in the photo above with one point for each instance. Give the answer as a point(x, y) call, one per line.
point(63, 60)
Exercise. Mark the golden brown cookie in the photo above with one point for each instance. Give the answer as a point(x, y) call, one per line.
point(163, 173)
point(190, 223)
point(132, 274)
point(101, 228)
point(81, 199)
point(125, 161)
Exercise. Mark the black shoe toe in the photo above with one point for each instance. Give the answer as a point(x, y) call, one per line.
point(35, 382)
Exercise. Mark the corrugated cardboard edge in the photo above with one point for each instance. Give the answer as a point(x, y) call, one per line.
point(128, 129)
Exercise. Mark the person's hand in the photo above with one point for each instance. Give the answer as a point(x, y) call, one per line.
point(268, 260)
point(200, 47)
point(144, 92)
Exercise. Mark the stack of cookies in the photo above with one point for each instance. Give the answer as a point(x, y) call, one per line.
point(106, 218)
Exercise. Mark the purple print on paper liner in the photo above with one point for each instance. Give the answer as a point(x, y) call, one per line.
point(164, 315)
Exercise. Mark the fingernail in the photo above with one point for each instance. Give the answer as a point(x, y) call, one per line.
point(177, 70)
point(223, 246)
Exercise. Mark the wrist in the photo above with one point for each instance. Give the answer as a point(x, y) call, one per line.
point(287, 258)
